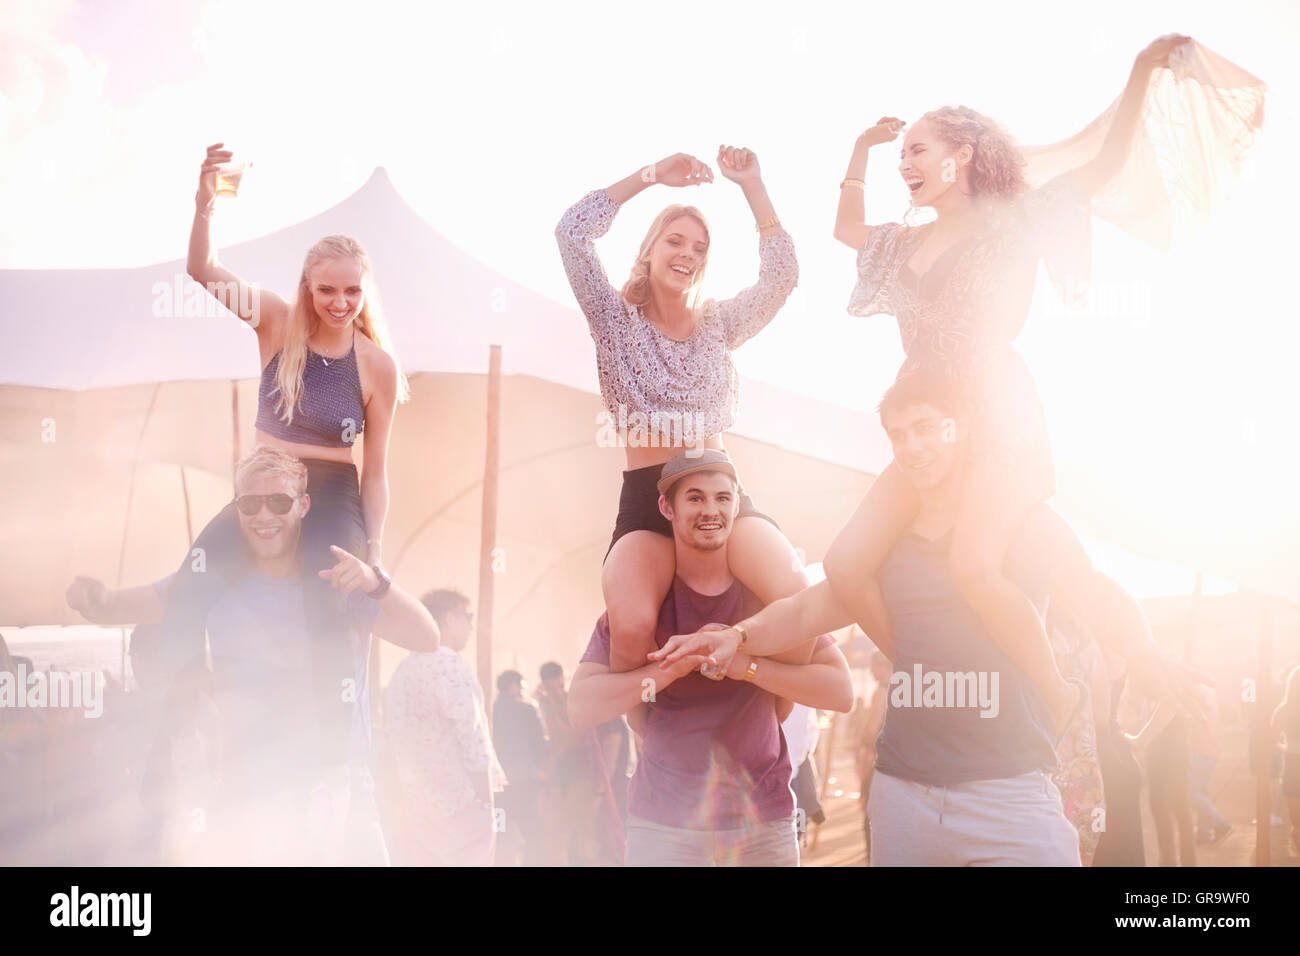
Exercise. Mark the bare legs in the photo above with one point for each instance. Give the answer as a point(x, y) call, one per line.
point(855, 557)
point(635, 580)
point(763, 560)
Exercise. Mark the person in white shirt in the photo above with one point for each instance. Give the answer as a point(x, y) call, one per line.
point(445, 766)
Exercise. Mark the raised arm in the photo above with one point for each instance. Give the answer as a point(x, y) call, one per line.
point(1119, 139)
point(851, 215)
point(263, 310)
point(824, 683)
point(744, 314)
point(590, 218)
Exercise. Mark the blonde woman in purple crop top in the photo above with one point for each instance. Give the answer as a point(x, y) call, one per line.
point(329, 381)
point(666, 376)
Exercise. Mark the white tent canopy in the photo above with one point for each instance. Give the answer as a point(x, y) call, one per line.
point(87, 329)
point(129, 388)
point(135, 388)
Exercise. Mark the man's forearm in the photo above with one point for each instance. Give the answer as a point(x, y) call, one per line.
point(822, 685)
point(139, 605)
point(404, 621)
point(792, 621)
point(600, 695)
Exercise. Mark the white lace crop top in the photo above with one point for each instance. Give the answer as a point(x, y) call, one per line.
point(684, 388)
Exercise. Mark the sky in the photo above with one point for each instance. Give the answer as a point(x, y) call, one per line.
point(1177, 402)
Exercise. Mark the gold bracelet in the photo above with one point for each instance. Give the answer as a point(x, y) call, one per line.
point(768, 222)
point(852, 182)
point(744, 635)
point(753, 668)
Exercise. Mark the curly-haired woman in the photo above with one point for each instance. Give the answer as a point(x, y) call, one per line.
point(960, 287)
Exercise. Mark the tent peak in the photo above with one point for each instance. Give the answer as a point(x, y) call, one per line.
point(379, 178)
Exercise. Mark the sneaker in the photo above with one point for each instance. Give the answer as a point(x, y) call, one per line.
point(1220, 834)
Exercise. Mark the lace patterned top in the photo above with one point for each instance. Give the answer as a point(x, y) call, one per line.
point(972, 302)
point(691, 384)
point(438, 730)
point(961, 316)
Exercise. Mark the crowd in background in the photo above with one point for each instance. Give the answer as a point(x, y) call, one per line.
point(96, 791)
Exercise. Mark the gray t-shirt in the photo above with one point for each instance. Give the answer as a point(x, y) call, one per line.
point(958, 708)
point(262, 674)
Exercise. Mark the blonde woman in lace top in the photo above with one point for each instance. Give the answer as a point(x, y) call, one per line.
point(960, 288)
point(664, 362)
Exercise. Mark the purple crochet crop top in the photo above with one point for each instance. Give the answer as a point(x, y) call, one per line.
point(331, 409)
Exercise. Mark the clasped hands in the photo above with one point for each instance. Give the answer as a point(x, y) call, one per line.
point(711, 650)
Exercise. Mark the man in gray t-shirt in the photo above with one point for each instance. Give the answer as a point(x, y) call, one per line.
point(277, 802)
point(963, 759)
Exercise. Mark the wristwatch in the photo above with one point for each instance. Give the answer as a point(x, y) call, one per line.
point(385, 582)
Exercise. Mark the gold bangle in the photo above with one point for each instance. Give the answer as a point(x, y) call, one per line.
point(753, 668)
point(768, 222)
point(744, 635)
point(852, 182)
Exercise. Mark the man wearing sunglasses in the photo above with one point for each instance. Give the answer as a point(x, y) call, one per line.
point(279, 803)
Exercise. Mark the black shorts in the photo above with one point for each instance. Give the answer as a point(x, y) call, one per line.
point(638, 506)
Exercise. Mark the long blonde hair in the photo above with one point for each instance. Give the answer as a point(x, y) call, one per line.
point(636, 290)
point(303, 321)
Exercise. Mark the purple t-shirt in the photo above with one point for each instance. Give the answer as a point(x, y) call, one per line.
point(714, 757)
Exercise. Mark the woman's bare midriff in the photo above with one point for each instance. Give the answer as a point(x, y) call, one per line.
point(642, 457)
point(300, 450)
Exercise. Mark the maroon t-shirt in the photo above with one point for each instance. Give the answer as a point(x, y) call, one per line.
point(715, 757)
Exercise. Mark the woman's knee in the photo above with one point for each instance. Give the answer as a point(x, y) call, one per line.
point(761, 557)
point(632, 618)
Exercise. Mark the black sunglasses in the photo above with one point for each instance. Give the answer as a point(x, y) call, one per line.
point(278, 503)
